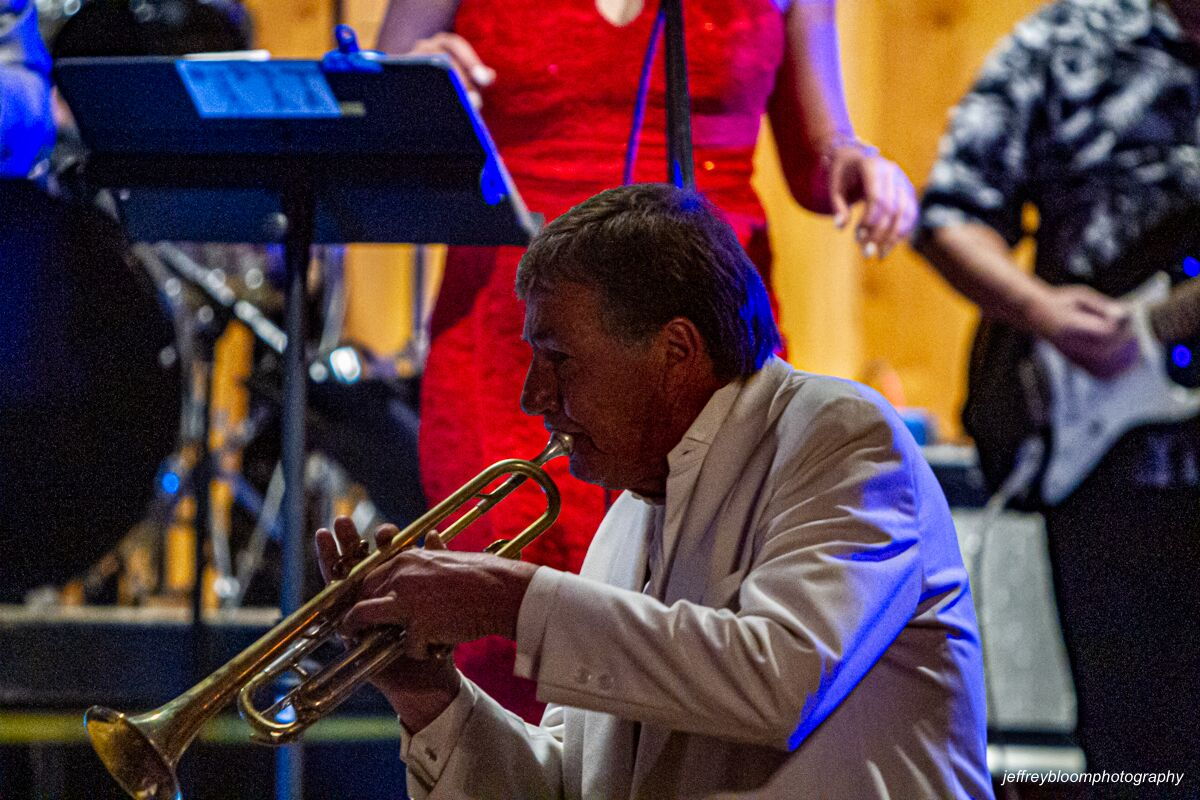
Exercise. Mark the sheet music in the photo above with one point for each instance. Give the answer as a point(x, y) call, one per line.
point(243, 89)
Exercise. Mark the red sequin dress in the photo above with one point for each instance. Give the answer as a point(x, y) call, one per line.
point(560, 112)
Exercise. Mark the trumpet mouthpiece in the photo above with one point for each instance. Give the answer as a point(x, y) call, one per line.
point(560, 444)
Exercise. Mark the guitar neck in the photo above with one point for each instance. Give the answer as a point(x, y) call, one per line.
point(1178, 317)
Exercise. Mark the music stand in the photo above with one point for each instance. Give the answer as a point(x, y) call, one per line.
point(290, 152)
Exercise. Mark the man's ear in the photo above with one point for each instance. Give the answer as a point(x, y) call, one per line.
point(684, 346)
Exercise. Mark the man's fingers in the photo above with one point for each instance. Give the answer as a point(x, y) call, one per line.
point(372, 613)
point(376, 583)
point(1119, 314)
point(433, 541)
point(1087, 299)
point(385, 611)
point(384, 535)
point(327, 553)
point(346, 534)
point(350, 548)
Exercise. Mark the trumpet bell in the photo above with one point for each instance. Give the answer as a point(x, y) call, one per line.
point(131, 758)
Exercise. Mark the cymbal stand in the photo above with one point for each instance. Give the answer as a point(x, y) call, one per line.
point(234, 574)
point(192, 469)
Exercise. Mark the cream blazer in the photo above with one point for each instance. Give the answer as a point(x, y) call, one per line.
point(809, 634)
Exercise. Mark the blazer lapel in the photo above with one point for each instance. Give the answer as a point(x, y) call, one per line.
point(701, 552)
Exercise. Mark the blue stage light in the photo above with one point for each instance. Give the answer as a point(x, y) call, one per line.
point(1181, 355)
point(285, 715)
point(170, 483)
point(1191, 267)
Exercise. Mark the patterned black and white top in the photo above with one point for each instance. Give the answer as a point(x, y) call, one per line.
point(1090, 112)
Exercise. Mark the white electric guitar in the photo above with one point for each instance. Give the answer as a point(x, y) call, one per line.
point(1087, 415)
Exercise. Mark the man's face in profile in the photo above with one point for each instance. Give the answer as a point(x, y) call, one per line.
point(606, 392)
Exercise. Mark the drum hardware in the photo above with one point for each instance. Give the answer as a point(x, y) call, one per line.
point(201, 323)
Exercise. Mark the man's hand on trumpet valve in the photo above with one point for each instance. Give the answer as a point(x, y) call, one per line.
point(419, 689)
point(442, 597)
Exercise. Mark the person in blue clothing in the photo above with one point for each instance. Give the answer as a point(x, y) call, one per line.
point(26, 124)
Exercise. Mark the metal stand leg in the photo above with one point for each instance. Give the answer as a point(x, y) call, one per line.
point(298, 205)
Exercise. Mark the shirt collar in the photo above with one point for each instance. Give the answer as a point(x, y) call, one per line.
point(694, 444)
point(695, 441)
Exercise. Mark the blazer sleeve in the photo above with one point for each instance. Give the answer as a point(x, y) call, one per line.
point(478, 749)
point(835, 577)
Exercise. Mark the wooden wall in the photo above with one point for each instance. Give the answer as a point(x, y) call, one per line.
point(905, 62)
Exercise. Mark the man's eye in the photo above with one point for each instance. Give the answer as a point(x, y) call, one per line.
point(556, 356)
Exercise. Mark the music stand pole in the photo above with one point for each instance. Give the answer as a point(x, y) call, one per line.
point(299, 207)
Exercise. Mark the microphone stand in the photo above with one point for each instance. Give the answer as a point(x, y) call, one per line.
point(681, 169)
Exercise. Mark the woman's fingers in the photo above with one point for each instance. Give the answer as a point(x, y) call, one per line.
point(858, 174)
point(466, 63)
point(461, 51)
point(877, 210)
point(884, 232)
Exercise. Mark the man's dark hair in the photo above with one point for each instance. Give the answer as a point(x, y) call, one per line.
point(656, 252)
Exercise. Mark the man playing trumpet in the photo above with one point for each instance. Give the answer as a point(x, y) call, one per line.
point(775, 605)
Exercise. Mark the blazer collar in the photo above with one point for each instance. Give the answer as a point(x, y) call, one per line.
point(710, 464)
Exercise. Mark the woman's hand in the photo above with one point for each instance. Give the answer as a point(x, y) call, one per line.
point(859, 174)
point(466, 63)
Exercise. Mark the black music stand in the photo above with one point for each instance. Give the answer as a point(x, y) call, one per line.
point(292, 152)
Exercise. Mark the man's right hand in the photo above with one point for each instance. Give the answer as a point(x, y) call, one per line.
point(419, 690)
point(1090, 328)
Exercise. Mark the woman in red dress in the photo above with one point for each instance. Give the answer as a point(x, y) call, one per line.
point(557, 82)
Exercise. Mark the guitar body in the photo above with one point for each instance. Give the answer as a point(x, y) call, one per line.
point(1019, 387)
point(1087, 415)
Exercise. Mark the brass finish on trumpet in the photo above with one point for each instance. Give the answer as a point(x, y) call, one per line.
point(141, 751)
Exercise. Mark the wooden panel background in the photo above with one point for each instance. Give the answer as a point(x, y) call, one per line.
point(905, 62)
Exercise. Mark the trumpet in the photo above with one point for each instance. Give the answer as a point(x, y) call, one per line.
point(141, 752)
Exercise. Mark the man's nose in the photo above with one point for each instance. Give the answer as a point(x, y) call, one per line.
point(538, 395)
